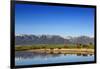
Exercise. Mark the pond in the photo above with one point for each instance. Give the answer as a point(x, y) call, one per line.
point(34, 58)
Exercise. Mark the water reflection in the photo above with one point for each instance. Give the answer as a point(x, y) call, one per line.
point(25, 55)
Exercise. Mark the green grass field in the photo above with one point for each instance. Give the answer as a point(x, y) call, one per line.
point(52, 46)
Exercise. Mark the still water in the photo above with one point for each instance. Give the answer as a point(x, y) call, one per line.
point(32, 58)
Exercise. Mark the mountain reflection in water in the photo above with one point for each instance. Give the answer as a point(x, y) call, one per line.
point(32, 58)
point(25, 55)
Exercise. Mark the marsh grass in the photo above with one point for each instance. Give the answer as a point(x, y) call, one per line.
point(52, 46)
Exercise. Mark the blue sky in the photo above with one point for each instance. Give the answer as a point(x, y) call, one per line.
point(54, 20)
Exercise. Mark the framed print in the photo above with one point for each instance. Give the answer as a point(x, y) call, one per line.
point(50, 34)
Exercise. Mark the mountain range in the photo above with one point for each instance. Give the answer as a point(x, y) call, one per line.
point(51, 39)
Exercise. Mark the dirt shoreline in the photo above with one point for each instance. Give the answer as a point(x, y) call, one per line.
point(69, 51)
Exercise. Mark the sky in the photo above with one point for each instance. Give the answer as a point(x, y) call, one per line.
point(54, 20)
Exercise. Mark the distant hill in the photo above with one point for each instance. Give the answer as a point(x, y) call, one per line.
point(82, 40)
point(51, 39)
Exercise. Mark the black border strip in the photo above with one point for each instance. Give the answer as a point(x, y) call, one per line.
point(12, 35)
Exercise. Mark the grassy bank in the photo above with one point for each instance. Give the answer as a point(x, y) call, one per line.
point(63, 51)
point(53, 46)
